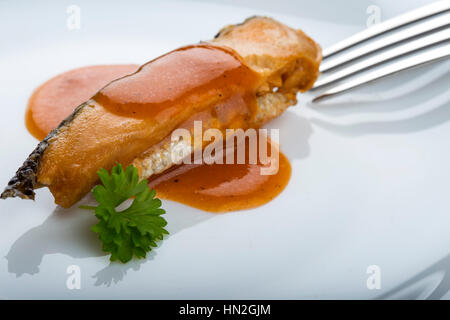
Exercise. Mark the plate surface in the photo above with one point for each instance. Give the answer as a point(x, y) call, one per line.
point(369, 185)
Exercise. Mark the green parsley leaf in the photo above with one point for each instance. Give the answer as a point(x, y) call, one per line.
point(135, 230)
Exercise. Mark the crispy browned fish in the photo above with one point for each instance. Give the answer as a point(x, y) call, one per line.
point(285, 61)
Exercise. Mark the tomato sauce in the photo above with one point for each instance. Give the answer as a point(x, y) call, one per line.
point(202, 73)
point(58, 97)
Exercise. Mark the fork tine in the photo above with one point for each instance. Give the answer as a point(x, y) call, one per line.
point(411, 62)
point(388, 25)
point(412, 32)
point(385, 56)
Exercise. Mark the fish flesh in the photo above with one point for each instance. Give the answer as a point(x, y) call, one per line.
point(276, 61)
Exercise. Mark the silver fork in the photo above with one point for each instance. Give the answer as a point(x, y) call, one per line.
point(342, 61)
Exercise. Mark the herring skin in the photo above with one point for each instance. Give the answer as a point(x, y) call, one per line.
point(24, 182)
point(286, 58)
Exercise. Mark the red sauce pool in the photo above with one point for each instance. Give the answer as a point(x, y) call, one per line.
point(215, 187)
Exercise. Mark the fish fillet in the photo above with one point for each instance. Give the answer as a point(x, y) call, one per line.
point(67, 160)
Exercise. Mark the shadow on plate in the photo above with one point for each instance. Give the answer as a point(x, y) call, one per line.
point(426, 95)
point(432, 283)
point(295, 132)
point(115, 272)
point(422, 90)
point(67, 231)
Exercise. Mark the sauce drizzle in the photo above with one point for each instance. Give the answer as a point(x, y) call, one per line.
point(209, 73)
point(222, 187)
point(56, 99)
point(184, 79)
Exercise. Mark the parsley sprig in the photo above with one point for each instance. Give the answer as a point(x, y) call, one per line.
point(135, 230)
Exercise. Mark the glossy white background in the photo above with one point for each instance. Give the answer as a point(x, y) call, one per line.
point(370, 182)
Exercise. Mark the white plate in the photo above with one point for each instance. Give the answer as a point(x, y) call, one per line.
point(369, 186)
